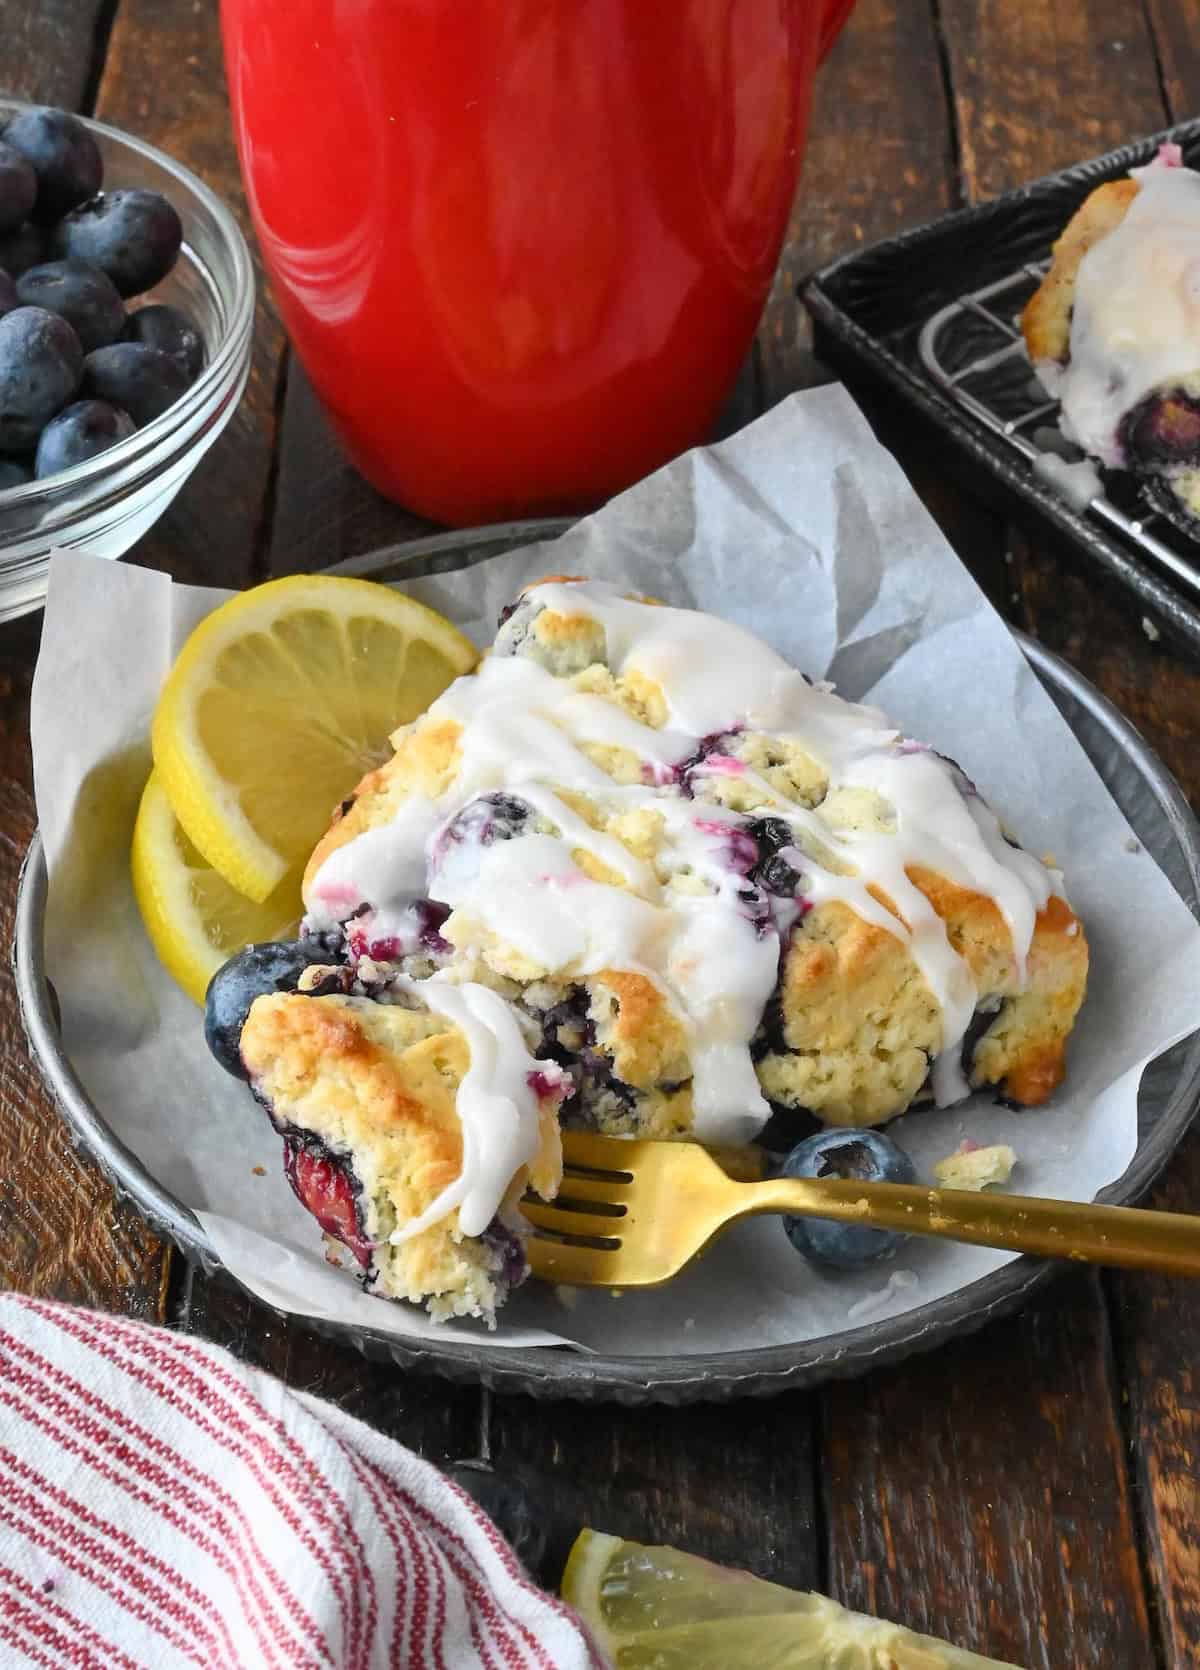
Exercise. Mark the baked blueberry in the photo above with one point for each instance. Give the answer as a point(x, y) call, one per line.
point(133, 236)
point(64, 157)
point(18, 187)
point(141, 380)
point(772, 871)
point(82, 295)
point(12, 474)
point(170, 331)
point(275, 966)
point(509, 1505)
point(81, 431)
point(41, 363)
point(865, 1156)
point(22, 248)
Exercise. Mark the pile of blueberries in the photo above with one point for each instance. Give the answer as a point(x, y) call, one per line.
point(77, 372)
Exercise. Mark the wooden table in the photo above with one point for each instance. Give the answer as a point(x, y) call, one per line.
point(1032, 1491)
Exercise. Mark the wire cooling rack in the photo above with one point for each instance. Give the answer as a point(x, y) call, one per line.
point(974, 351)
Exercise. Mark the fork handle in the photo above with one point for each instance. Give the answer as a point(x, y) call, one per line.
point(1128, 1236)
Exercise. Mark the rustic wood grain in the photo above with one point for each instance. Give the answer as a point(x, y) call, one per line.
point(52, 49)
point(1158, 1320)
point(164, 81)
point(975, 1494)
point(62, 1233)
point(1176, 30)
point(1037, 87)
point(877, 160)
point(734, 1483)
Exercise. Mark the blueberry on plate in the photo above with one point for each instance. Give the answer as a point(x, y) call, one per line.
point(275, 966)
point(18, 187)
point(12, 474)
point(21, 249)
point(140, 380)
point(170, 331)
point(134, 236)
point(509, 1505)
point(64, 157)
point(78, 433)
point(41, 363)
point(81, 294)
point(865, 1156)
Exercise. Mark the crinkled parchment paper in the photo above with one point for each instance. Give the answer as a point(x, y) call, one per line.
point(801, 528)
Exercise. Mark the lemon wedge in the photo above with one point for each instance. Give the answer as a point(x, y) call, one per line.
point(279, 702)
point(195, 920)
point(658, 1609)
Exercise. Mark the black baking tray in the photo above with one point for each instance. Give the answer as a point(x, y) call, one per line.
point(869, 309)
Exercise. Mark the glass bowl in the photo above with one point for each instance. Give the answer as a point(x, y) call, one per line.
point(105, 505)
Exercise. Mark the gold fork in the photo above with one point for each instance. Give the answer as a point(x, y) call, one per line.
point(633, 1213)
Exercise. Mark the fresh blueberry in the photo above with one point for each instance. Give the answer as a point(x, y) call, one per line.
point(170, 331)
point(79, 433)
point(865, 1156)
point(18, 188)
point(142, 381)
point(21, 249)
point(133, 235)
point(64, 157)
point(509, 1505)
point(41, 363)
point(12, 474)
point(82, 295)
point(8, 295)
point(275, 966)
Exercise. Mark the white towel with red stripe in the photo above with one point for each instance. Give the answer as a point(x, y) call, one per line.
point(162, 1505)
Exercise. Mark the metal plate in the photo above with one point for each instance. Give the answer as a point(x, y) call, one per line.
point(872, 309)
point(1141, 786)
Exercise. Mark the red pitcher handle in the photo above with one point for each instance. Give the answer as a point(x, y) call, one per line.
point(836, 13)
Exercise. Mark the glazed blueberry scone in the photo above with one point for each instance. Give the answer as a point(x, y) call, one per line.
point(707, 887)
point(1114, 329)
point(412, 1121)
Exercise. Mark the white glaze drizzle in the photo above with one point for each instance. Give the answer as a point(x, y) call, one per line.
point(496, 1104)
point(1135, 324)
point(522, 731)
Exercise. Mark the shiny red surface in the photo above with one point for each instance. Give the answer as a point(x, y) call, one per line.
point(521, 246)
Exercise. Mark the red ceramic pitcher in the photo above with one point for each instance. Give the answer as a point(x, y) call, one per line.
point(521, 246)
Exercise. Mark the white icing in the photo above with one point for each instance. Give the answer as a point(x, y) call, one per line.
point(496, 1103)
point(1135, 324)
point(1078, 482)
point(685, 921)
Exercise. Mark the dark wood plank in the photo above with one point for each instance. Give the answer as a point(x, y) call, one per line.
point(164, 81)
point(1038, 87)
point(62, 1233)
point(325, 511)
point(1177, 39)
point(439, 1421)
point(734, 1483)
point(1158, 1320)
point(973, 1494)
point(52, 49)
point(877, 160)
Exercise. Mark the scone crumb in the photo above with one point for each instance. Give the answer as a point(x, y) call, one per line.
point(259, 1171)
point(1132, 844)
point(568, 1297)
point(973, 1167)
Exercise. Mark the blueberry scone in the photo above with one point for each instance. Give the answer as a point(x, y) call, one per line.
point(678, 887)
point(1114, 329)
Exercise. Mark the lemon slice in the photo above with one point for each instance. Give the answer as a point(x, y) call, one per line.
point(658, 1609)
point(194, 918)
point(279, 702)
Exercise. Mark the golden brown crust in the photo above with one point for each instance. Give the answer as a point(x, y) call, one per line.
point(1046, 321)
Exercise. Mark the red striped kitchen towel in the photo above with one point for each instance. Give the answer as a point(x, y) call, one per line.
point(163, 1505)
